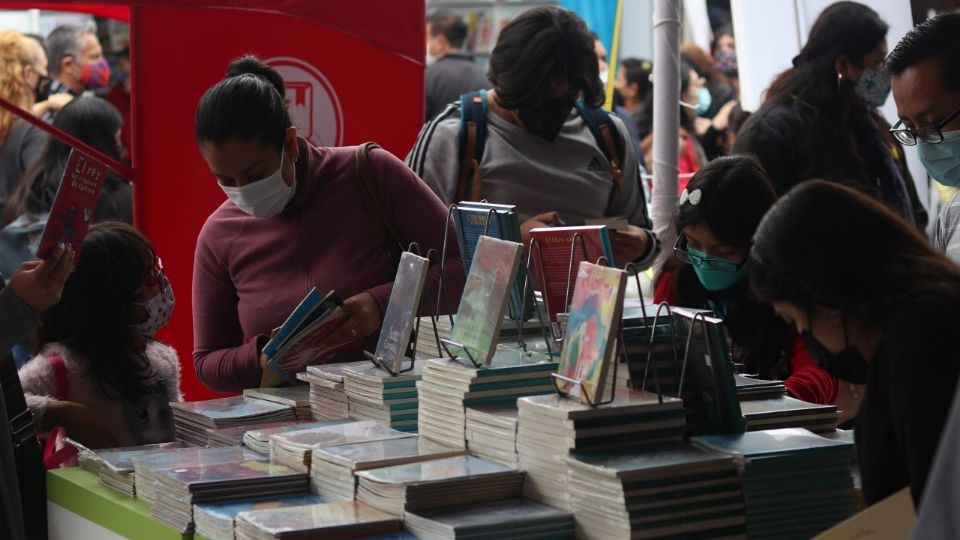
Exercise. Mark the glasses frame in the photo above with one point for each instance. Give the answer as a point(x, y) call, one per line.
point(679, 249)
point(911, 137)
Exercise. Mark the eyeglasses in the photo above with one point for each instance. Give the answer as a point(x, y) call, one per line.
point(715, 263)
point(929, 135)
point(157, 278)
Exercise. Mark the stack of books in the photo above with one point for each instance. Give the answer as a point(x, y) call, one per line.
point(233, 436)
point(147, 467)
point(788, 412)
point(328, 399)
point(192, 419)
point(551, 427)
point(293, 448)
point(333, 468)
point(796, 484)
point(492, 432)
point(258, 439)
point(435, 484)
point(752, 388)
point(512, 518)
point(649, 365)
point(180, 488)
point(116, 467)
point(375, 394)
point(450, 385)
point(669, 490)
point(330, 520)
point(215, 521)
point(297, 397)
point(427, 345)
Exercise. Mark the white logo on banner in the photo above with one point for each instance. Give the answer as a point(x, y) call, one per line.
point(311, 100)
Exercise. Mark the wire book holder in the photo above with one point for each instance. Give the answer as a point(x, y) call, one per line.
point(652, 342)
point(541, 313)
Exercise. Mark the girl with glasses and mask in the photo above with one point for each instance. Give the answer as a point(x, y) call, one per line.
point(101, 375)
point(295, 218)
point(820, 120)
point(875, 304)
point(716, 218)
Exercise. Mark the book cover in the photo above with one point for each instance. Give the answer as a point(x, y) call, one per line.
point(294, 396)
point(310, 345)
point(771, 443)
point(350, 432)
point(676, 457)
point(267, 430)
point(510, 511)
point(310, 303)
point(485, 298)
point(430, 471)
point(229, 408)
point(319, 518)
point(121, 459)
point(782, 406)
point(375, 454)
point(625, 402)
point(193, 456)
point(73, 207)
point(334, 372)
point(591, 333)
point(229, 510)
point(551, 260)
point(401, 311)
point(890, 519)
point(218, 473)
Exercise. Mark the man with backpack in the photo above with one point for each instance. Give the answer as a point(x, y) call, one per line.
point(539, 140)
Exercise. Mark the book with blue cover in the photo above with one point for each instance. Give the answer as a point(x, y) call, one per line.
point(215, 521)
point(512, 518)
point(774, 442)
point(329, 520)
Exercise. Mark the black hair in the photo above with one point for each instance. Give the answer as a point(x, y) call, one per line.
point(449, 25)
point(842, 29)
point(936, 37)
point(824, 243)
point(725, 30)
point(543, 48)
point(247, 105)
point(637, 71)
point(90, 119)
point(735, 194)
point(93, 317)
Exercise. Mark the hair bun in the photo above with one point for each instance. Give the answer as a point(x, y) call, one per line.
point(251, 65)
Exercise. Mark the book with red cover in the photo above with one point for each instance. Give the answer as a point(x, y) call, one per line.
point(73, 207)
point(551, 262)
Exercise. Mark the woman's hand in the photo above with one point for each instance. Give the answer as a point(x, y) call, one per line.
point(40, 283)
point(81, 424)
point(362, 319)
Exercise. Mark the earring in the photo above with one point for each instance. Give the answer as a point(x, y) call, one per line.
point(839, 80)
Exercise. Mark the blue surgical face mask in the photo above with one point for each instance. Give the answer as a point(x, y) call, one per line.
point(704, 100)
point(716, 273)
point(942, 160)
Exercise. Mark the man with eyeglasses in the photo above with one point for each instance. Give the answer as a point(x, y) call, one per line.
point(926, 87)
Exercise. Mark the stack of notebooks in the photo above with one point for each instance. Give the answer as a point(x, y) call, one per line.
point(462, 480)
point(331, 520)
point(492, 432)
point(146, 468)
point(215, 521)
point(293, 448)
point(116, 469)
point(297, 397)
point(753, 388)
point(258, 439)
point(788, 412)
point(375, 394)
point(550, 427)
point(796, 484)
point(180, 488)
point(192, 419)
point(333, 468)
point(449, 385)
point(669, 490)
point(512, 518)
point(328, 399)
point(233, 436)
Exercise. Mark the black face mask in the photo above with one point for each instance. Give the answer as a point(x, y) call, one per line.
point(546, 119)
point(42, 91)
point(847, 365)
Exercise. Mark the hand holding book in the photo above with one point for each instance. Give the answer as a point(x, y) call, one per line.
point(548, 219)
point(361, 319)
point(630, 244)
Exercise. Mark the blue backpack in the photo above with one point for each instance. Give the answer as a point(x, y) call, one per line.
point(473, 138)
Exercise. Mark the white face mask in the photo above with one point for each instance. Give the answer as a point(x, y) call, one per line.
point(263, 198)
point(159, 310)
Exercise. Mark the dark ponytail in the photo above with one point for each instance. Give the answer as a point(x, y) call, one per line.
point(247, 105)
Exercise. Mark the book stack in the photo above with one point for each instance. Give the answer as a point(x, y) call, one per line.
point(788, 412)
point(656, 364)
point(116, 468)
point(513, 518)
point(434, 484)
point(670, 490)
point(450, 385)
point(233, 436)
point(297, 397)
point(753, 388)
point(796, 484)
point(334, 468)
point(180, 488)
point(328, 399)
point(215, 521)
point(258, 439)
point(87, 459)
point(491, 432)
point(147, 467)
point(293, 448)
point(427, 345)
point(331, 520)
point(375, 394)
point(551, 427)
point(192, 419)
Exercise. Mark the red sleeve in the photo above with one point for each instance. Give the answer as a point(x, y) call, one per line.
point(663, 292)
point(808, 381)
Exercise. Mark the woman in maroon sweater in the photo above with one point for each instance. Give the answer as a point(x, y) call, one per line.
point(294, 219)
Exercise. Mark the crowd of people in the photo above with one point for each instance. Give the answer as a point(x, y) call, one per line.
point(798, 224)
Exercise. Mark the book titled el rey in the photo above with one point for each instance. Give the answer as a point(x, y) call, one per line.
point(75, 202)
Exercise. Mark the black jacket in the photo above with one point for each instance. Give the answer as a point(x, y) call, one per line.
point(450, 77)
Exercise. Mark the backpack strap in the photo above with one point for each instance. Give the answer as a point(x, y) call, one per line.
point(372, 204)
point(60, 378)
point(473, 138)
point(608, 139)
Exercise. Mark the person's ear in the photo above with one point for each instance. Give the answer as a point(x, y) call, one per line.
point(844, 68)
point(67, 63)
